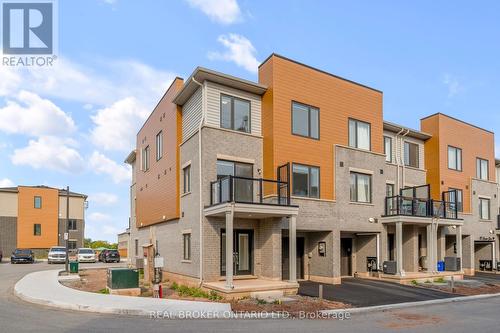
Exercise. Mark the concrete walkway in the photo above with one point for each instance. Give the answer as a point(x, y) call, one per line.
point(44, 288)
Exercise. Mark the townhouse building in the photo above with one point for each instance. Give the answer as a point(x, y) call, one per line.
point(34, 217)
point(247, 186)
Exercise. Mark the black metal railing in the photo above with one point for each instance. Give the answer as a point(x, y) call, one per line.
point(498, 222)
point(410, 206)
point(248, 190)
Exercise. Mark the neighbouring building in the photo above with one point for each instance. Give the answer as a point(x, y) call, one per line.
point(34, 217)
point(123, 244)
point(249, 186)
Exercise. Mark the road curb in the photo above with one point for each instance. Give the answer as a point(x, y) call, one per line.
point(410, 304)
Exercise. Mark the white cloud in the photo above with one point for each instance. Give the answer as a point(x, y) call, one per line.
point(103, 198)
point(101, 164)
point(6, 182)
point(98, 217)
point(109, 230)
point(238, 50)
point(116, 125)
point(221, 11)
point(453, 85)
point(49, 152)
point(28, 113)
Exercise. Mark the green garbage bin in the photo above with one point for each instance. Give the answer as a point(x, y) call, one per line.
point(73, 267)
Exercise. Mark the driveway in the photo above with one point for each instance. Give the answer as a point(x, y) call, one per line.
point(485, 277)
point(364, 292)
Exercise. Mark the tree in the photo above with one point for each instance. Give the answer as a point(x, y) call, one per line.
point(99, 243)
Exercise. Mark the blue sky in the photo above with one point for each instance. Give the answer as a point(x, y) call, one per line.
point(76, 122)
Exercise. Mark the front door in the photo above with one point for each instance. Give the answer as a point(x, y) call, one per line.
point(242, 252)
point(345, 256)
point(285, 258)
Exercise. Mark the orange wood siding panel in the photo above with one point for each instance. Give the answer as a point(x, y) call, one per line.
point(158, 188)
point(47, 217)
point(337, 99)
point(474, 143)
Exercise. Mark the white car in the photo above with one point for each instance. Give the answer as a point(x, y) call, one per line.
point(57, 254)
point(86, 255)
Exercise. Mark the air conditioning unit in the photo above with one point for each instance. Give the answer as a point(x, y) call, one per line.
point(390, 267)
point(139, 263)
point(452, 264)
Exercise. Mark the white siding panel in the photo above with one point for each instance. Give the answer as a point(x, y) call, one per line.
point(191, 114)
point(399, 154)
point(214, 92)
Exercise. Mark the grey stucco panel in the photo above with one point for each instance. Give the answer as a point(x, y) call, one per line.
point(8, 234)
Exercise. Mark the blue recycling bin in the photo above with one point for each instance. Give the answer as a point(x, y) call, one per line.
point(440, 266)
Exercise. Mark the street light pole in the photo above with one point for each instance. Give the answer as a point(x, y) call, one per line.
point(66, 232)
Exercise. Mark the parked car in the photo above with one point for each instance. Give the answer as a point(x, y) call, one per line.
point(1, 255)
point(109, 256)
point(57, 254)
point(22, 256)
point(86, 255)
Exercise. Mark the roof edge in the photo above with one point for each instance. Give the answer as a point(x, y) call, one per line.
point(456, 119)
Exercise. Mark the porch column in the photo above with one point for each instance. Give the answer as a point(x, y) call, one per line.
point(379, 266)
point(292, 246)
point(399, 247)
point(459, 244)
point(430, 248)
point(229, 248)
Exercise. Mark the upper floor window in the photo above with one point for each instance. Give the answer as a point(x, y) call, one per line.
point(305, 181)
point(242, 184)
point(459, 198)
point(235, 113)
point(38, 202)
point(482, 169)
point(361, 187)
point(37, 229)
point(359, 134)
point(159, 145)
point(187, 179)
point(145, 159)
point(72, 245)
point(388, 149)
point(484, 209)
point(454, 158)
point(411, 154)
point(72, 225)
point(305, 120)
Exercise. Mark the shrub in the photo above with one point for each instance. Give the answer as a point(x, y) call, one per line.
point(414, 282)
point(440, 280)
point(104, 291)
point(261, 301)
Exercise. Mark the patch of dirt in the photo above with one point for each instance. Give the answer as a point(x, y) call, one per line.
point(402, 320)
point(92, 280)
point(485, 288)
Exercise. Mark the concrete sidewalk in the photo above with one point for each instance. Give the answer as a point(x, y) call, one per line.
point(44, 288)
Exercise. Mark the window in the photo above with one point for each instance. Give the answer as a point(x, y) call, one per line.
point(159, 145)
point(136, 247)
point(359, 134)
point(361, 187)
point(459, 199)
point(38, 202)
point(482, 169)
point(305, 181)
point(235, 113)
point(187, 179)
point(454, 158)
point(484, 208)
point(187, 246)
point(72, 245)
point(37, 229)
point(389, 190)
point(145, 159)
point(305, 120)
point(242, 187)
point(72, 225)
point(411, 154)
point(388, 149)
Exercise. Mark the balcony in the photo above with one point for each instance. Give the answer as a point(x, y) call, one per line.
point(410, 206)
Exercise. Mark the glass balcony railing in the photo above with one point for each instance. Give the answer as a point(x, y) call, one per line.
point(408, 206)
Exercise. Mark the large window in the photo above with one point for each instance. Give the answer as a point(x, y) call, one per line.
point(411, 154)
point(186, 240)
point(235, 113)
point(305, 120)
point(361, 187)
point(459, 198)
point(305, 181)
point(388, 149)
point(72, 245)
point(38, 202)
point(186, 175)
point(242, 187)
point(482, 169)
point(72, 225)
point(145, 159)
point(484, 208)
point(136, 247)
point(359, 134)
point(454, 158)
point(159, 145)
point(37, 229)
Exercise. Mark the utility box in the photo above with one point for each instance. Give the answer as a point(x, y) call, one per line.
point(73, 267)
point(390, 267)
point(452, 264)
point(123, 278)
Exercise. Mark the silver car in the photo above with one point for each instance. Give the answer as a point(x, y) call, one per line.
point(86, 255)
point(57, 254)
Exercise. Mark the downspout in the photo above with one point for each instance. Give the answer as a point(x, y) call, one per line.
point(202, 120)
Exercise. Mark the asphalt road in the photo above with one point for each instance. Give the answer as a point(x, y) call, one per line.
point(485, 277)
point(363, 292)
point(17, 316)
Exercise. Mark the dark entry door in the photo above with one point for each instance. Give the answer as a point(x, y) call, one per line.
point(390, 246)
point(242, 252)
point(345, 256)
point(285, 258)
